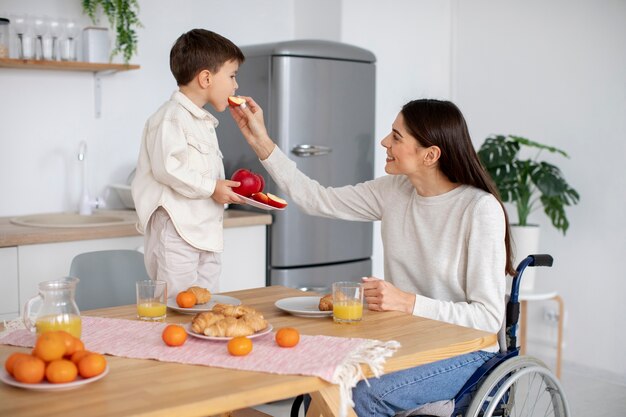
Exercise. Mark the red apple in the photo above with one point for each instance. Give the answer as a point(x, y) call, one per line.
point(276, 201)
point(250, 182)
point(236, 101)
point(260, 197)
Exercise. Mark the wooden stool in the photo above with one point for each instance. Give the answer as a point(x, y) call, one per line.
point(524, 298)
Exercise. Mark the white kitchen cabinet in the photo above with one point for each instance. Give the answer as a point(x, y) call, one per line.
point(243, 262)
point(244, 258)
point(48, 261)
point(9, 306)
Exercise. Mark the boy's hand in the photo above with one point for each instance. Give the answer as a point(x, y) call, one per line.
point(249, 119)
point(224, 193)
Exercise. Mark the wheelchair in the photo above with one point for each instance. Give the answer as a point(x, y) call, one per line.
point(508, 384)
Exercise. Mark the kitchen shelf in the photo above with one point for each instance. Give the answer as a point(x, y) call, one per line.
point(64, 65)
point(97, 69)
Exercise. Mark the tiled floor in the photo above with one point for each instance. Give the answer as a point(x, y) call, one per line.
point(587, 396)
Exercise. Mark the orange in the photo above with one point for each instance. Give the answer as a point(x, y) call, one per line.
point(287, 337)
point(13, 357)
point(92, 365)
point(49, 346)
point(186, 299)
point(78, 345)
point(30, 370)
point(78, 355)
point(239, 346)
point(60, 371)
point(174, 335)
point(69, 340)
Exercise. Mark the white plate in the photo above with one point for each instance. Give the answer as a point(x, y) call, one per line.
point(268, 329)
point(47, 386)
point(199, 308)
point(302, 306)
point(260, 205)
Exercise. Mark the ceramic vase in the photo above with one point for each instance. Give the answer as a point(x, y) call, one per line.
point(525, 242)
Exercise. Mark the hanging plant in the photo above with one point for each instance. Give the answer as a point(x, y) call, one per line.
point(123, 17)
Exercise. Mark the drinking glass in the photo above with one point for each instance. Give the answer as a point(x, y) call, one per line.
point(151, 300)
point(68, 43)
point(347, 302)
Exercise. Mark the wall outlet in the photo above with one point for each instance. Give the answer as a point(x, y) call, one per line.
point(551, 316)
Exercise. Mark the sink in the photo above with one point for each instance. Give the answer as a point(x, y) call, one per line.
point(73, 220)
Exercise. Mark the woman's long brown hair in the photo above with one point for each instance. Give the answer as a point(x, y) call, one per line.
point(440, 123)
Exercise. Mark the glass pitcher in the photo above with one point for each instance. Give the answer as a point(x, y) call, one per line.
point(58, 310)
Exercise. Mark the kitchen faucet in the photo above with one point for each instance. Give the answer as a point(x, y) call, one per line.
point(87, 204)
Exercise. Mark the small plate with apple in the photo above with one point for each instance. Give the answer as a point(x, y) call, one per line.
point(251, 191)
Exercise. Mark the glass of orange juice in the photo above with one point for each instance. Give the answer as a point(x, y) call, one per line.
point(151, 300)
point(347, 302)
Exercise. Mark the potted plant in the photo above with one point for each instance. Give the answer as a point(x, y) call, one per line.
point(529, 184)
point(123, 16)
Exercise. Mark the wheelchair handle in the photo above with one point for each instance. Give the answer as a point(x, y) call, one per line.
point(532, 261)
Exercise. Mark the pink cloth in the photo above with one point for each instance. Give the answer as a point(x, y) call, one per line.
point(314, 355)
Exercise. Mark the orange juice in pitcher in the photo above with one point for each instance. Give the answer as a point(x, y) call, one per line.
point(58, 310)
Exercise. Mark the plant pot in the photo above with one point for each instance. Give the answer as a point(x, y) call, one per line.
point(525, 242)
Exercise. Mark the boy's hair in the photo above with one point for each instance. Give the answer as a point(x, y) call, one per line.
point(199, 50)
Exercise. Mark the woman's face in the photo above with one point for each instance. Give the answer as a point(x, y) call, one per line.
point(404, 153)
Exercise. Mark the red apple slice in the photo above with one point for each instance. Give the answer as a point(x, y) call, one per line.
point(276, 201)
point(236, 101)
point(260, 197)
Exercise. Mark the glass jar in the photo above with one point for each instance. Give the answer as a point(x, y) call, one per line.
point(57, 310)
point(4, 37)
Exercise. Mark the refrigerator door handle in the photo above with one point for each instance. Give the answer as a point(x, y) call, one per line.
point(310, 150)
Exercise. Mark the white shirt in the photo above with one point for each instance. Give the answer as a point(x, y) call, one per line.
point(179, 163)
point(449, 249)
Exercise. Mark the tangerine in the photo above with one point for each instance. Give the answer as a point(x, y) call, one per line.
point(91, 365)
point(174, 335)
point(69, 340)
point(49, 346)
point(29, 370)
point(239, 346)
point(78, 355)
point(13, 357)
point(186, 299)
point(60, 371)
point(287, 337)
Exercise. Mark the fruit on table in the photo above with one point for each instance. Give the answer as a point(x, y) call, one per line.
point(174, 335)
point(275, 201)
point(186, 299)
point(57, 357)
point(239, 346)
point(250, 182)
point(236, 101)
point(260, 197)
point(287, 337)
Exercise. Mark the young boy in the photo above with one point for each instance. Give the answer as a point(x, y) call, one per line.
point(179, 187)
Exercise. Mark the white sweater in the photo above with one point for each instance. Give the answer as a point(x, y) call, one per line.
point(449, 249)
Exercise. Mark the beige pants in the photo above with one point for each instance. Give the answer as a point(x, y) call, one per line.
point(169, 258)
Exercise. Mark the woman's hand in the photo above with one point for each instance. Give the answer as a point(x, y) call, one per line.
point(249, 119)
point(383, 296)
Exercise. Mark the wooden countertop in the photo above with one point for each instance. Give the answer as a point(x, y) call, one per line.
point(15, 235)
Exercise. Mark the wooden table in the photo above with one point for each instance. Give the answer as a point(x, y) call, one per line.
point(151, 388)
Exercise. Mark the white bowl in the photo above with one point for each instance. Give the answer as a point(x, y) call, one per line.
point(123, 191)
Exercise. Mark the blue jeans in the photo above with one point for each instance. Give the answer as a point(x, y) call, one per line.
point(411, 388)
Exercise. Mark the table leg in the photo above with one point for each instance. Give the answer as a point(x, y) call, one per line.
point(522, 328)
point(559, 342)
point(325, 402)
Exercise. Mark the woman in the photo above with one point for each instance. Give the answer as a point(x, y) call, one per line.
point(445, 235)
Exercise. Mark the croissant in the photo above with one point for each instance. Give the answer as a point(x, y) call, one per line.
point(255, 321)
point(326, 303)
point(230, 327)
point(202, 294)
point(230, 310)
point(203, 320)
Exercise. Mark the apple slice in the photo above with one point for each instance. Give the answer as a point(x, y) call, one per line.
point(260, 197)
point(236, 101)
point(276, 201)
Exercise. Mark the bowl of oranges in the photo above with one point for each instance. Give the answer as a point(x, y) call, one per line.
point(58, 361)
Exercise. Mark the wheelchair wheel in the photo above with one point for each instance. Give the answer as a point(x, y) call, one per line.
point(521, 386)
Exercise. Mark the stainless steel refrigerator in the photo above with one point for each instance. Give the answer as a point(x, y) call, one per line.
point(318, 101)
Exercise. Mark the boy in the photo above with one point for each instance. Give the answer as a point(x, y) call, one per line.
point(179, 187)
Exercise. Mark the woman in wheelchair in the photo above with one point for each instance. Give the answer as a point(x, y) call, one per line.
point(445, 235)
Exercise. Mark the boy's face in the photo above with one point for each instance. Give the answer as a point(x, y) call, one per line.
point(223, 84)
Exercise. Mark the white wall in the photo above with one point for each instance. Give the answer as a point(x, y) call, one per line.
point(555, 72)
